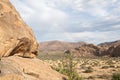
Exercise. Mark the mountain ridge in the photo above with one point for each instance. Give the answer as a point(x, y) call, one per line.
point(80, 48)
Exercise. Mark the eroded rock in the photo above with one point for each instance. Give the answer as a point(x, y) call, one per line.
point(16, 38)
point(18, 68)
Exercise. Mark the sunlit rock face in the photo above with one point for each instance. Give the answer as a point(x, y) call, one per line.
point(16, 37)
point(18, 68)
point(18, 46)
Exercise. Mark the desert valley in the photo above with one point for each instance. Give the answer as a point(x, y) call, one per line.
point(94, 62)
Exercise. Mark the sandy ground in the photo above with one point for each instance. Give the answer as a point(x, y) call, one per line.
point(100, 69)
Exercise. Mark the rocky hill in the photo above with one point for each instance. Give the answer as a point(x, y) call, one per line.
point(108, 44)
point(113, 48)
point(86, 50)
point(19, 48)
point(81, 48)
point(78, 48)
point(58, 46)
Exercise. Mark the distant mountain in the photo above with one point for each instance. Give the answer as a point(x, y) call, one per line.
point(81, 48)
point(110, 43)
point(58, 46)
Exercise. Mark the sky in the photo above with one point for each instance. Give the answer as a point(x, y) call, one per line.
point(92, 21)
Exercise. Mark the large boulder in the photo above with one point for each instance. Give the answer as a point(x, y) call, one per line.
point(16, 38)
point(18, 68)
point(17, 47)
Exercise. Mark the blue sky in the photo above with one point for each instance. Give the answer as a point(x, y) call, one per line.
point(92, 21)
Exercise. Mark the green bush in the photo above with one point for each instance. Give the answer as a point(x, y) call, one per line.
point(67, 67)
point(116, 76)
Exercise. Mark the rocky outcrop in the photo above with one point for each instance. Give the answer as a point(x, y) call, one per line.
point(16, 38)
point(87, 50)
point(114, 51)
point(111, 49)
point(18, 68)
point(18, 46)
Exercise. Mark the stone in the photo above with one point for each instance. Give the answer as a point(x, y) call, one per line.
point(16, 37)
point(18, 68)
point(19, 48)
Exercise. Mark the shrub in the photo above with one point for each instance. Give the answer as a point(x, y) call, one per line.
point(105, 67)
point(116, 76)
point(67, 67)
point(88, 70)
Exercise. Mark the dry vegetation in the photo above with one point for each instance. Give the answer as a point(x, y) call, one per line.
point(97, 68)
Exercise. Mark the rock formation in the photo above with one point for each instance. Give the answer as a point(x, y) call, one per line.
point(18, 68)
point(112, 48)
point(16, 38)
point(18, 46)
point(113, 51)
point(86, 50)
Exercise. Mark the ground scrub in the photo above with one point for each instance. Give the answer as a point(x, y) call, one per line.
point(89, 70)
point(116, 76)
point(67, 67)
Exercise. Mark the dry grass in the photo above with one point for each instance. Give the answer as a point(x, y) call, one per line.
point(93, 68)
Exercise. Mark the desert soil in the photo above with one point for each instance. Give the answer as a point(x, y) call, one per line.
point(94, 68)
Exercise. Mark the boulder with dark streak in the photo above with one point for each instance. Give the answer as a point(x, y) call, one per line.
point(16, 37)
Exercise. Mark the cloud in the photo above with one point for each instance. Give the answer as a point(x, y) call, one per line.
point(72, 20)
point(95, 37)
point(23, 9)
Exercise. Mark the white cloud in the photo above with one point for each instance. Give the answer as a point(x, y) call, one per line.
point(40, 11)
point(24, 10)
point(116, 26)
point(95, 37)
point(72, 20)
point(53, 16)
